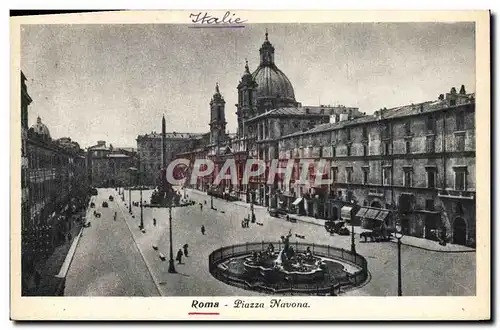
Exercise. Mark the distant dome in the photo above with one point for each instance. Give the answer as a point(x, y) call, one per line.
point(41, 129)
point(272, 82)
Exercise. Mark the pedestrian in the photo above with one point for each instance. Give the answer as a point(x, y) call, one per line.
point(185, 247)
point(205, 202)
point(203, 230)
point(154, 222)
point(179, 256)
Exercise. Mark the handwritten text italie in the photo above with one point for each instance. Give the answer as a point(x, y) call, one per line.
point(204, 18)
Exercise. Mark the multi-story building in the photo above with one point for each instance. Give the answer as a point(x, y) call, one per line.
point(109, 166)
point(266, 110)
point(25, 102)
point(149, 150)
point(414, 163)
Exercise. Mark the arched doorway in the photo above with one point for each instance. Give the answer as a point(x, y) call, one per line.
point(376, 204)
point(335, 213)
point(459, 231)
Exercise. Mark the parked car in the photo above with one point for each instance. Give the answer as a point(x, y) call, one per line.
point(104, 204)
point(111, 198)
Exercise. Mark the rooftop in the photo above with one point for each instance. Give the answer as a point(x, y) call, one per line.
point(170, 135)
point(292, 111)
point(397, 112)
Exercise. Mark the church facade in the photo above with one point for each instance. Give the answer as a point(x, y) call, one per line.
point(266, 111)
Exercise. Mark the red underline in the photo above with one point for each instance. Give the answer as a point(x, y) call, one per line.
point(201, 313)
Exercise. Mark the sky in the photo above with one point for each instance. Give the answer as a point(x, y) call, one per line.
point(114, 82)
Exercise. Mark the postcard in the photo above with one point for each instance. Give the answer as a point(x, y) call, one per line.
point(250, 165)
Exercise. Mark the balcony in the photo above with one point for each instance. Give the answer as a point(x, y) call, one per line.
point(457, 194)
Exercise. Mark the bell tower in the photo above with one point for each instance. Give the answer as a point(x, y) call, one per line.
point(217, 117)
point(246, 99)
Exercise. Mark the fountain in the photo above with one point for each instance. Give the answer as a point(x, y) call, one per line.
point(303, 270)
point(285, 265)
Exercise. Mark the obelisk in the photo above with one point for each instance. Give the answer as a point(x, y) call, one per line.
point(163, 158)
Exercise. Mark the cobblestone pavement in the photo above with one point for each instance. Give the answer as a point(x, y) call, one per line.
point(107, 262)
point(424, 272)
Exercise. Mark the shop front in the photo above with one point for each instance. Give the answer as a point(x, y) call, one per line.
point(372, 218)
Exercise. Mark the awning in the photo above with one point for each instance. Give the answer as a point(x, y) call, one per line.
point(297, 201)
point(382, 215)
point(362, 211)
point(371, 213)
point(345, 212)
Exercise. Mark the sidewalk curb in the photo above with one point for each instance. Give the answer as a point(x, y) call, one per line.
point(63, 271)
point(322, 225)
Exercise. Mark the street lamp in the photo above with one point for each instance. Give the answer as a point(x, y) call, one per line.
point(171, 266)
point(131, 170)
point(399, 235)
point(353, 244)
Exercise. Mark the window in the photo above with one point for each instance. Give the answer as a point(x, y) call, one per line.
point(348, 134)
point(407, 128)
point(429, 204)
point(407, 179)
point(334, 174)
point(387, 148)
point(333, 137)
point(460, 179)
point(431, 178)
point(365, 150)
point(348, 150)
point(460, 142)
point(408, 147)
point(429, 146)
point(430, 124)
point(334, 151)
point(460, 119)
point(365, 133)
point(386, 134)
point(348, 174)
point(386, 176)
point(365, 176)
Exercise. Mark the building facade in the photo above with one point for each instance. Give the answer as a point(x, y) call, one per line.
point(109, 166)
point(414, 163)
point(149, 151)
point(54, 187)
point(266, 110)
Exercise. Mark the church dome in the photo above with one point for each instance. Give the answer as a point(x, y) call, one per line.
point(271, 81)
point(41, 129)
